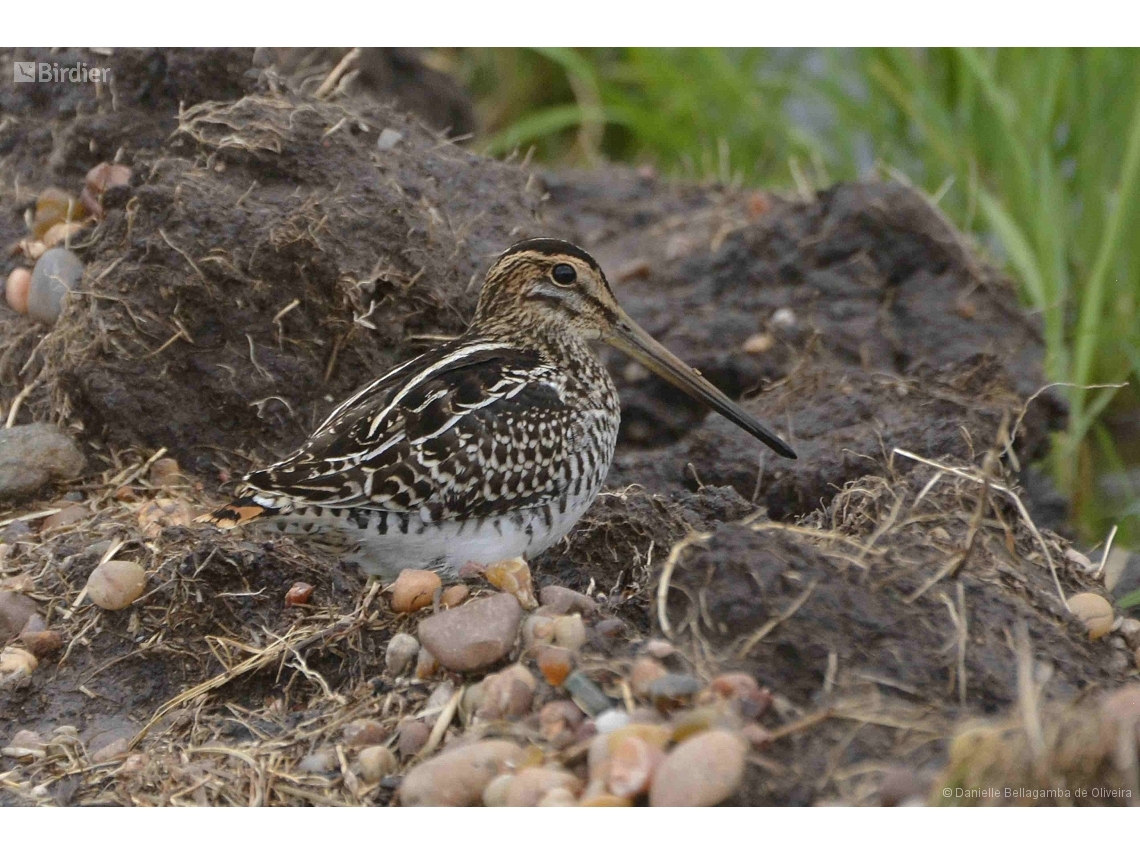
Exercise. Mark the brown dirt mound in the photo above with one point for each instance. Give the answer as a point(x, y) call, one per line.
point(270, 257)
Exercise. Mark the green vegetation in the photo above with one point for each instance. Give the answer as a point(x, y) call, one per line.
point(1034, 151)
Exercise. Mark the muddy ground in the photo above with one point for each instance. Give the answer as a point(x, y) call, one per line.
point(269, 257)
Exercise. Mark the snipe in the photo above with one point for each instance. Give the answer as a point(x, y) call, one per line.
point(488, 447)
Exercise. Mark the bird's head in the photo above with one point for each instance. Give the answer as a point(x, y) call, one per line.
point(549, 284)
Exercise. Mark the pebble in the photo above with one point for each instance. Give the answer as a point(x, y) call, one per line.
point(586, 694)
point(604, 800)
point(513, 577)
point(632, 763)
point(1130, 631)
point(165, 472)
point(375, 762)
point(61, 233)
point(414, 590)
point(904, 786)
point(363, 732)
point(25, 745)
point(569, 632)
point(611, 628)
point(298, 594)
point(389, 138)
point(114, 585)
point(437, 700)
point(784, 318)
point(320, 762)
point(16, 664)
point(701, 772)
point(559, 797)
point(64, 517)
point(657, 735)
point(33, 455)
point(15, 612)
point(105, 176)
point(688, 723)
point(475, 635)
point(643, 673)
point(41, 643)
point(555, 663)
point(757, 735)
point(1094, 611)
point(458, 777)
point(111, 751)
point(751, 700)
point(673, 691)
point(612, 720)
point(528, 787)
point(507, 694)
point(16, 289)
point(537, 629)
point(402, 649)
point(157, 515)
point(454, 596)
point(565, 600)
point(557, 721)
point(495, 793)
point(411, 735)
point(758, 343)
point(659, 648)
point(56, 273)
point(426, 664)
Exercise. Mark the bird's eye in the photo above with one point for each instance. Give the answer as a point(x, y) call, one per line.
point(564, 274)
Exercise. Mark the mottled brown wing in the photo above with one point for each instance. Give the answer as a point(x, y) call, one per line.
point(476, 430)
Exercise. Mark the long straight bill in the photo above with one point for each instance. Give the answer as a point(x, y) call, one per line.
point(631, 339)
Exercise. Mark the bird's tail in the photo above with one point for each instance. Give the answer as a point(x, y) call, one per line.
point(238, 512)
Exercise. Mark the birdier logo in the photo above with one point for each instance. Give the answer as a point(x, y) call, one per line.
point(53, 72)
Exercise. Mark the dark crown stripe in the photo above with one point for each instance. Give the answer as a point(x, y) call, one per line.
point(552, 247)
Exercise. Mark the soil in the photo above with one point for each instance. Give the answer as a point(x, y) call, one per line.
point(270, 257)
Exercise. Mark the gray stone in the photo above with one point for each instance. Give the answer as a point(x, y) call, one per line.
point(564, 601)
point(475, 635)
point(389, 138)
point(56, 273)
point(700, 772)
point(15, 610)
point(32, 455)
point(458, 777)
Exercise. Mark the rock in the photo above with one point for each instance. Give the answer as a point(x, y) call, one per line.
point(16, 665)
point(162, 512)
point(563, 601)
point(363, 732)
point(513, 577)
point(569, 632)
point(537, 629)
point(495, 793)
point(414, 590)
point(165, 472)
point(111, 751)
point(1130, 632)
point(557, 721)
point(659, 648)
point(611, 628)
point(586, 694)
point(559, 797)
point(16, 289)
point(56, 273)
point(375, 762)
point(758, 343)
point(454, 595)
point(389, 138)
point(611, 720)
point(656, 735)
point(673, 691)
point(320, 762)
point(604, 800)
point(426, 664)
point(742, 689)
point(555, 663)
point(507, 694)
point(42, 642)
point(528, 786)
point(402, 649)
point(475, 635)
point(105, 176)
point(632, 763)
point(15, 612)
point(688, 723)
point(33, 455)
point(66, 516)
point(61, 233)
point(701, 772)
point(643, 673)
point(411, 735)
point(1094, 611)
point(458, 777)
point(298, 594)
point(25, 745)
point(114, 585)
point(901, 786)
point(758, 736)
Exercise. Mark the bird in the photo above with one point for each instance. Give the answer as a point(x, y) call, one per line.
point(488, 447)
